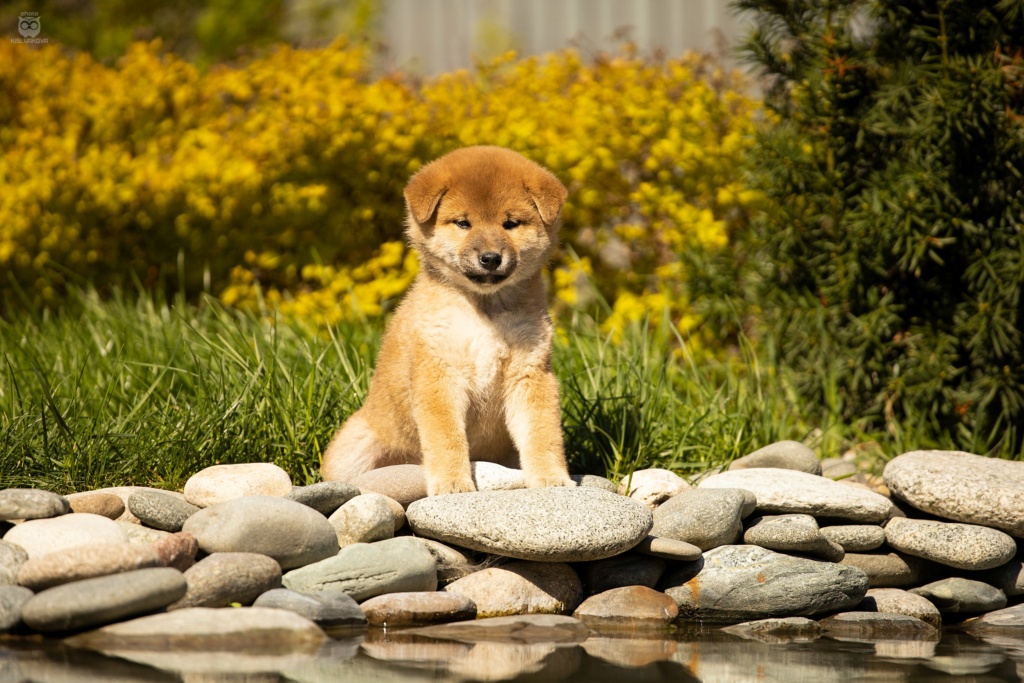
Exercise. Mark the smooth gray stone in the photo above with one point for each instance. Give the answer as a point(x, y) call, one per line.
point(896, 601)
point(255, 630)
point(161, 510)
point(591, 523)
point(418, 609)
point(522, 587)
point(41, 536)
point(783, 630)
point(103, 600)
point(788, 455)
point(365, 570)
point(628, 606)
point(878, 626)
point(328, 610)
point(743, 582)
point(325, 497)
point(594, 481)
point(628, 569)
point(961, 487)
point(32, 504)
point(792, 533)
point(962, 596)
point(855, 538)
point(221, 579)
point(705, 518)
point(404, 483)
point(790, 491)
point(887, 569)
point(11, 558)
point(525, 628)
point(292, 533)
point(12, 600)
point(87, 562)
point(964, 546)
point(1008, 621)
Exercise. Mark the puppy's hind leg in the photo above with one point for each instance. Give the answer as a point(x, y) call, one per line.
point(353, 450)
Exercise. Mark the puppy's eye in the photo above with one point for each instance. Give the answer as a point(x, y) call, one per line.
point(510, 223)
point(462, 223)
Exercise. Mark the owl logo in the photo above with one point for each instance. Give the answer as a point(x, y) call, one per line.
point(28, 26)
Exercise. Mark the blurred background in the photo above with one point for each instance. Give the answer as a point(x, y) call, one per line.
point(427, 37)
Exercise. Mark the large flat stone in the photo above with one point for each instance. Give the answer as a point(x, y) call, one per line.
point(790, 491)
point(86, 562)
point(103, 600)
point(964, 546)
point(546, 524)
point(741, 583)
point(257, 630)
point(961, 487)
point(365, 570)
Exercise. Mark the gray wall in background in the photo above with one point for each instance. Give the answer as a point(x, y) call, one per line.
point(434, 36)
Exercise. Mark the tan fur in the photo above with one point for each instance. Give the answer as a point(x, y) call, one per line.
point(464, 370)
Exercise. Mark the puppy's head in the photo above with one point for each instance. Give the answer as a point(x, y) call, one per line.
point(483, 217)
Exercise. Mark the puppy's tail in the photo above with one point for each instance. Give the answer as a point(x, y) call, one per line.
point(353, 450)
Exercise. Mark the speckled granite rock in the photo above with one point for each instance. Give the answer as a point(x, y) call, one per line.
point(592, 524)
point(790, 491)
point(961, 487)
point(964, 546)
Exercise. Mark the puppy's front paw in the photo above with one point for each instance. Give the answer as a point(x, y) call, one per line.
point(439, 487)
point(542, 481)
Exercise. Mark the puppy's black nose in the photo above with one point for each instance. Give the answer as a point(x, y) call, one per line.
point(490, 260)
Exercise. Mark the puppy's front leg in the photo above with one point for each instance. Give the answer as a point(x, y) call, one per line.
point(533, 417)
point(440, 403)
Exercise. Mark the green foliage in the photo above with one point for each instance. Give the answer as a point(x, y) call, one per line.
point(896, 184)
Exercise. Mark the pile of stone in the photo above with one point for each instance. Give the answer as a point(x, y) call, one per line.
point(767, 544)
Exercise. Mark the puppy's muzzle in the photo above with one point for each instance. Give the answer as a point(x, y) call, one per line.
point(490, 268)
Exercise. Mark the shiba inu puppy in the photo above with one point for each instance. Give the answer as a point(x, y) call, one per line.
point(464, 370)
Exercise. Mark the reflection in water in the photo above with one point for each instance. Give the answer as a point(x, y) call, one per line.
point(686, 655)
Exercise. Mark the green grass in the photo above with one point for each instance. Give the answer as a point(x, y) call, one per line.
point(128, 391)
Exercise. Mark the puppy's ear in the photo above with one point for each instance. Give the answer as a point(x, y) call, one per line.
point(424, 191)
point(547, 192)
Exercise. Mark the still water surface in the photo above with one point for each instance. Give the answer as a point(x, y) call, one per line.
point(694, 655)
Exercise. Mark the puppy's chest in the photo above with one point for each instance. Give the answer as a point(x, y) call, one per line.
point(486, 352)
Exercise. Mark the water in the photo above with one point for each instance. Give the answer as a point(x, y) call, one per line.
point(685, 655)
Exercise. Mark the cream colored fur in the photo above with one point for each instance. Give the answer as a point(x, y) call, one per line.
point(464, 371)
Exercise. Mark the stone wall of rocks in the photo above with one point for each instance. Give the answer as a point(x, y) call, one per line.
point(771, 544)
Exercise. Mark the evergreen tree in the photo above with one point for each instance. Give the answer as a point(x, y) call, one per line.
point(895, 178)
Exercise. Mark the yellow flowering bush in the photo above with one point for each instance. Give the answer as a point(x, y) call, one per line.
point(281, 178)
